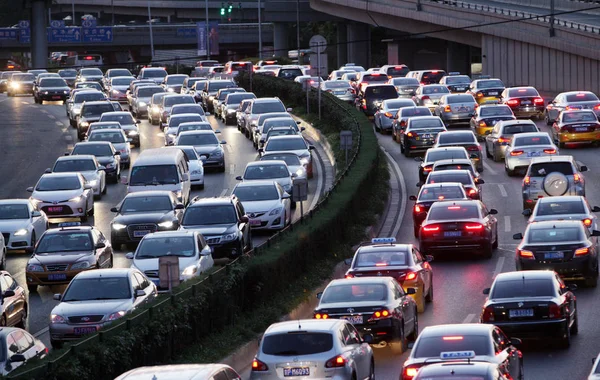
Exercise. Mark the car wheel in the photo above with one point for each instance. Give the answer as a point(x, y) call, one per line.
point(510, 172)
point(293, 205)
point(3, 262)
point(565, 342)
point(429, 297)
point(416, 231)
point(495, 245)
point(116, 243)
point(32, 288)
point(98, 196)
point(575, 327)
point(30, 250)
point(85, 217)
point(488, 251)
point(398, 345)
point(401, 147)
point(104, 188)
point(415, 334)
point(406, 150)
point(495, 157)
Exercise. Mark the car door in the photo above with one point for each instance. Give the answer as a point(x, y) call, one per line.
point(9, 304)
point(15, 303)
point(145, 285)
point(422, 271)
point(26, 345)
point(12, 348)
point(508, 356)
point(244, 227)
point(352, 342)
point(405, 307)
point(490, 220)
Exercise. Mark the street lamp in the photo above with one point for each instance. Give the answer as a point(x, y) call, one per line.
point(259, 32)
point(150, 28)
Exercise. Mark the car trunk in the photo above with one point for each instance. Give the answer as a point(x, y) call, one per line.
point(514, 310)
point(550, 253)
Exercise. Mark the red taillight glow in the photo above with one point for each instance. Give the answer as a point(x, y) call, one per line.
point(526, 181)
point(431, 229)
point(582, 251)
point(321, 316)
point(379, 314)
point(257, 365)
point(474, 227)
point(597, 107)
point(503, 139)
point(580, 95)
point(410, 134)
point(512, 102)
point(474, 148)
point(482, 124)
point(453, 207)
point(587, 222)
point(389, 114)
point(427, 169)
point(380, 264)
point(525, 254)
point(424, 97)
point(409, 373)
point(488, 314)
point(452, 338)
point(88, 58)
point(516, 153)
point(554, 311)
point(411, 276)
point(447, 109)
point(480, 94)
point(336, 362)
point(471, 192)
point(418, 208)
point(576, 178)
point(349, 275)
point(538, 101)
point(550, 151)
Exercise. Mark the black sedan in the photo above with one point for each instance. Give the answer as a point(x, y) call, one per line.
point(420, 134)
point(142, 213)
point(532, 304)
point(565, 246)
point(374, 305)
point(435, 154)
point(456, 226)
point(429, 194)
point(51, 89)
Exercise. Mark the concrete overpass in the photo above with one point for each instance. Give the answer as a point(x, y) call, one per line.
point(517, 40)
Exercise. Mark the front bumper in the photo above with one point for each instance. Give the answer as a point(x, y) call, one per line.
point(197, 179)
point(268, 222)
point(579, 268)
point(13, 242)
point(53, 97)
point(62, 210)
point(214, 162)
point(586, 137)
point(42, 278)
point(534, 329)
point(128, 234)
point(61, 332)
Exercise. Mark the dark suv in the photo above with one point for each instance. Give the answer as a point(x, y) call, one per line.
point(371, 96)
point(223, 223)
point(91, 112)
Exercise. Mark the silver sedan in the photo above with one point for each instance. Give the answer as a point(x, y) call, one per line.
point(429, 95)
point(524, 147)
point(502, 134)
point(456, 108)
point(564, 207)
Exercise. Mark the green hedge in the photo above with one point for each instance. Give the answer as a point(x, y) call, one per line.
point(160, 332)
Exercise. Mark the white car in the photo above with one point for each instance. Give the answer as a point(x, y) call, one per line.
point(195, 163)
point(267, 205)
point(174, 122)
point(21, 224)
point(595, 373)
point(195, 126)
point(277, 171)
point(118, 139)
point(195, 255)
point(291, 144)
point(291, 159)
point(524, 147)
point(88, 166)
point(63, 195)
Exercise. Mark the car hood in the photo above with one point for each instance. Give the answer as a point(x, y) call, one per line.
point(121, 146)
point(58, 196)
point(152, 264)
point(105, 160)
point(11, 225)
point(59, 258)
point(203, 149)
point(120, 88)
point(129, 127)
point(90, 175)
point(145, 99)
point(213, 229)
point(92, 307)
point(299, 152)
point(143, 217)
point(260, 206)
point(61, 88)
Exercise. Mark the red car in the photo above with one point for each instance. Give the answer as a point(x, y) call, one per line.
point(525, 102)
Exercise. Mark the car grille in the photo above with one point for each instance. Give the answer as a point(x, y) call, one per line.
point(57, 267)
point(140, 227)
point(86, 319)
point(6, 237)
point(213, 240)
point(256, 214)
point(151, 273)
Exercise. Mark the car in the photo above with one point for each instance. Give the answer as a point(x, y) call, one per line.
point(277, 171)
point(291, 159)
point(168, 102)
point(486, 90)
point(401, 118)
point(502, 134)
point(465, 139)
point(88, 85)
point(20, 83)
point(295, 144)
point(376, 306)
point(435, 154)
point(223, 222)
point(156, 74)
point(219, 99)
point(576, 127)
point(456, 164)
point(128, 123)
point(456, 82)
point(552, 176)
point(372, 95)
point(210, 89)
point(406, 87)
point(79, 312)
point(69, 75)
point(240, 115)
point(456, 108)
point(117, 88)
point(183, 372)
point(105, 153)
point(420, 134)
point(426, 77)
point(341, 89)
point(188, 84)
point(394, 71)
point(207, 145)
point(36, 72)
point(4, 78)
point(571, 100)
point(86, 165)
point(21, 347)
point(487, 116)
point(195, 164)
point(51, 89)
point(76, 101)
point(386, 111)
point(429, 95)
point(565, 207)
point(94, 111)
point(488, 342)
point(174, 82)
point(523, 147)
point(459, 225)
point(289, 72)
point(134, 85)
point(533, 304)
point(366, 78)
point(565, 246)
point(471, 183)
point(280, 131)
point(194, 126)
point(39, 77)
point(102, 125)
point(429, 194)
point(20, 225)
point(270, 120)
point(119, 141)
point(63, 252)
point(595, 372)
point(525, 102)
point(256, 108)
point(337, 74)
point(266, 203)
point(63, 195)
point(154, 107)
point(174, 121)
point(14, 308)
point(112, 73)
point(351, 77)
point(197, 109)
point(404, 262)
point(231, 104)
point(90, 75)
point(352, 67)
point(459, 364)
point(323, 348)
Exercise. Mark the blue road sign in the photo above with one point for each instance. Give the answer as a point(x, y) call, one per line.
point(8, 33)
point(24, 24)
point(68, 35)
point(98, 34)
point(25, 36)
point(186, 32)
point(89, 23)
point(57, 24)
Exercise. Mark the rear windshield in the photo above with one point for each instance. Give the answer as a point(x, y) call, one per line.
point(119, 73)
point(491, 83)
point(458, 79)
point(285, 144)
point(495, 111)
point(432, 76)
point(350, 293)
point(98, 150)
point(216, 86)
point(558, 208)
point(336, 84)
point(290, 159)
point(381, 92)
point(518, 128)
point(545, 168)
point(442, 192)
point(461, 99)
point(88, 72)
point(445, 155)
point(432, 347)
point(290, 73)
point(549, 235)
point(198, 139)
point(146, 92)
point(435, 90)
point(532, 140)
point(415, 111)
point(374, 78)
point(396, 104)
point(178, 100)
point(574, 117)
point(89, 97)
point(397, 71)
point(453, 212)
point(523, 288)
point(380, 259)
point(405, 82)
point(426, 123)
point(439, 168)
point(583, 97)
point(154, 73)
point(456, 138)
point(241, 66)
point(174, 80)
point(297, 343)
point(518, 92)
point(237, 98)
point(265, 107)
point(97, 110)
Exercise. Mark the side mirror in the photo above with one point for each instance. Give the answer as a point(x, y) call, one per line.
point(419, 184)
point(348, 261)
point(139, 293)
point(18, 358)
point(218, 131)
point(572, 287)
point(239, 178)
point(67, 153)
point(87, 186)
point(114, 209)
point(595, 209)
point(30, 189)
point(179, 206)
point(493, 211)
point(48, 170)
point(472, 155)
point(138, 121)
point(261, 150)
point(428, 258)
point(319, 295)
point(294, 175)
point(367, 338)
point(595, 233)
point(8, 293)
point(527, 212)
point(57, 297)
point(100, 245)
point(244, 219)
point(479, 181)
point(486, 291)
point(289, 109)
point(515, 341)
point(36, 214)
point(302, 129)
point(518, 236)
point(583, 168)
point(298, 122)
point(129, 255)
point(418, 159)
point(117, 153)
point(413, 197)
point(411, 291)
point(311, 147)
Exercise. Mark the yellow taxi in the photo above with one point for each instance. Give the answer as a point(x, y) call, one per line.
point(577, 126)
point(486, 89)
point(486, 117)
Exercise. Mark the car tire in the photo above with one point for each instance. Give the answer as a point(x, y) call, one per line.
point(32, 288)
point(398, 346)
point(98, 197)
point(3, 262)
point(575, 327)
point(116, 243)
point(415, 334)
point(495, 245)
point(85, 216)
point(487, 152)
point(372, 371)
point(591, 282)
point(104, 188)
point(511, 173)
point(293, 205)
point(488, 251)
point(565, 342)
point(33, 241)
point(416, 231)
point(406, 150)
point(401, 147)
point(429, 297)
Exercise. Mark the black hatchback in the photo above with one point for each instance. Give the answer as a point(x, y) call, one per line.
point(372, 96)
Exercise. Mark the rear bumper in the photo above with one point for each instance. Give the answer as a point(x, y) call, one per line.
point(456, 117)
point(586, 137)
point(382, 330)
point(458, 244)
point(419, 145)
point(534, 329)
point(528, 111)
point(577, 269)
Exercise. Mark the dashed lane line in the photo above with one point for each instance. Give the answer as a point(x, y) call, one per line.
point(41, 332)
point(469, 318)
point(499, 266)
point(52, 117)
point(507, 223)
point(489, 168)
point(502, 190)
point(224, 192)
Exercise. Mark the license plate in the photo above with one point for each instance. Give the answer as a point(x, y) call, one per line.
point(516, 313)
point(581, 129)
point(255, 222)
point(296, 371)
point(452, 233)
point(493, 93)
point(56, 97)
point(84, 330)
point(141, 233)
point(339, 92)
point(460, 88)
point(526, 102)
point(426, 136)
point(354, 319)
point(57, 276)
point(55, 209)
point(462, 109)
point(554, 255)
point(533, 154)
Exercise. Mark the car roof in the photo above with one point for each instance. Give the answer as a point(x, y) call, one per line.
point(109, 272)
point(525, 275)
point(14, 201)
point(176, 233)
point(324, 325)
point(266, 100)
point(80, 157)
point(117, 113)
point(148, 193)
point(266, 163)
point(209, 201)
point(97, 102)
point(92, 142)
point(288, 137)
point(459, 202)
point(427, 117)
point(186, 104)
point(279, 118)
point(256, 183)
point(441, 184)
point(173, 372)
point(59, 230)
point(561, 158)
point(114, 130)
point(60, 175)
point(197, 131)
point(554, 224)
point(457, 329)
point(187, 114)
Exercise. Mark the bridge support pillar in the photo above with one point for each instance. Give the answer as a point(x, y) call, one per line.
point(458, 58)
point(359, 47)
point(342, 47)
point(39, 38)
point(393, 50)
point(280, 39)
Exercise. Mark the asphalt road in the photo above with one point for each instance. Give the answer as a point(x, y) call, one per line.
point(459, 282)
point(35, 135)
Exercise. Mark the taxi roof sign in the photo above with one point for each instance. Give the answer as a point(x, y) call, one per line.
point(385, 240)
point(69, 224)
point(453, 355)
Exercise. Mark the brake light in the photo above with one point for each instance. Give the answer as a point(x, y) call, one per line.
point(411, 276)
point(336, 362)
point(257, 365)
point(389, 114)
point(376, 74)
point(550, 151)
point(403, 123)
point(431, 229)
point(525, 254)
point(474, 227)
point(398, 67)
point(580, 95)
point(582, 251)
point(503, 139)
point(409, 373)
point(480, 94)
point(364, 106)
point(488, 314)
point(447, 109)
point(321, 316)
point(516, 153)
point(538, 101)
point(474, 148)
point(380, 314)
point(88, 58)
point(526, 181)
point(427, 168)
point(418, 208)
point(349, 275)
point(512, 102)
point(554, 311)
point(452, 338)
point(576, 178)
point(453, 207)
point(472, 192)
point(482, 124)
point(410, 134)
point(434, 71)
point(587, 222)
point(597, 107)
point(424, 97)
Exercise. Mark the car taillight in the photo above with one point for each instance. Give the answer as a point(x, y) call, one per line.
point(257, 365)
point(538, 101)
point(516, 153)
point(576, 178)
point(411, 276)
point(526, 181)
point(321, 316)
point(427, 168)
point(488, 314)
point(418, 208)
point(431, 228)
point(380, 314)
point(403, 123)
point(474, 227)
point(550, 151)
point(525, 254)
point(555, 311)
point(472, 192)
point(587, 222)
point(597, 107)
point(409, 373)
point(512, 102)
point(410, 134)
point(447, 109)
point(349, 275)
point(504, 139)
point(364, 106)
point(482, 124)
point(479, 94)
point(389, 114)
point(474, 148)
point(582, 251)
point(424, 97)
point(336, 362)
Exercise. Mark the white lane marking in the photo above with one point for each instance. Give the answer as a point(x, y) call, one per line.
point(59, 123)
point(69, 138)
point(502, 190)
point(232, 168)
point(499, 266)
point(41, 332)
point(489, 168)
point(52, 117)
point(404, 198)
point(229, 148)
point(469, 318)
point(44, 111)
point(320, 181)
point(70, 146)
point(507, 223)
point(64, 129)
point(224, 192)
point(26, 103)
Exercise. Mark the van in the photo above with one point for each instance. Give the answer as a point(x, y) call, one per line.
point(161, 169)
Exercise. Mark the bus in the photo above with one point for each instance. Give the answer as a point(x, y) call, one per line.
point(80, 60)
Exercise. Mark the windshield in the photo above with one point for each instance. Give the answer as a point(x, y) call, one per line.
point(433, 156)
point(23, 78)
point(198, 139)
point(14, 212)
point(397, 104)
point(204, 126)
point(237, 98)
point(460, 99)
point(560, 207)
point(453, 212)
point(297, 344)
point(531, 140)
point(100, 288)
point(265, 107)
point(426, 123)
point(174, 121)
point(381, 92)
point(113, 137)
point(458, 79)
point(433, 346)
point(89, 97)
point(121, 118)
point(88, 72)
point(554, 235)
point(93, 149)
point(397, 71)
point(97, 110)
point(156, 247)
point(216, 86)
point(192, 108)
point(544, 168)
point(582, 97)
point(350, 293)
point(64, 242)
point(93, 85)
point(52, 82)
point(374, 78)
point(172, 100)
point(256, 193)
point(523, 288)
point(121, 81)
point(285, 144)
point(137, 204)
point(74, 166)
point(441, 177)
point(290, 73)
point(454, 138)
point(146, 92)
point(58, 183)
point(119, 73)
point(223, 93)
point(290, 159)
point(336, 84)
point(380, 259)
point(495, 111)
point(154, 74)
point(176, 79)
point(435, 193)
point(153, 175)
point(574, 117)
point(209, 214)
point(405, 82)
point(432, 90)
point(492, 83)
point(519, 92)
point(266, 172)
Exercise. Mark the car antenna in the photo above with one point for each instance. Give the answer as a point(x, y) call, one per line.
point(299, 325)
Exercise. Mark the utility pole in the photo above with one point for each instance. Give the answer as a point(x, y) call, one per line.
point(298, 27)
point(259, 31)
point(150, 29)
point(207, 31)
point(551, 18)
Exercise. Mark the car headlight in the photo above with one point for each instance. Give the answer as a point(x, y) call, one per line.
point(84, 123)
point(45, 92)
point(93, 182)
point(155, 109)
point(217, 153)
point(275, 211)
point(172, 135)
point(190, 271)
point(142, 104)
point(21, 232)
point(15, 85)
point(118, 226)
point(35, 202)
point(34, 268)
point(81, 265)
point(83, 79)
point(196, 172)
point(65, 91)
point(305, 160)
point(55, 318)
point(76, 199)
point(170, 89)
point(116, 315)
point(167, 224)
point(300, 172)
point(133, 133)
point(229, 237)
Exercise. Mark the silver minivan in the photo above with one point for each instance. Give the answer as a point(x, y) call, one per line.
point(161, 169)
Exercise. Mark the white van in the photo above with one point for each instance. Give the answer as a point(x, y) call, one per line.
point(161, 169)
